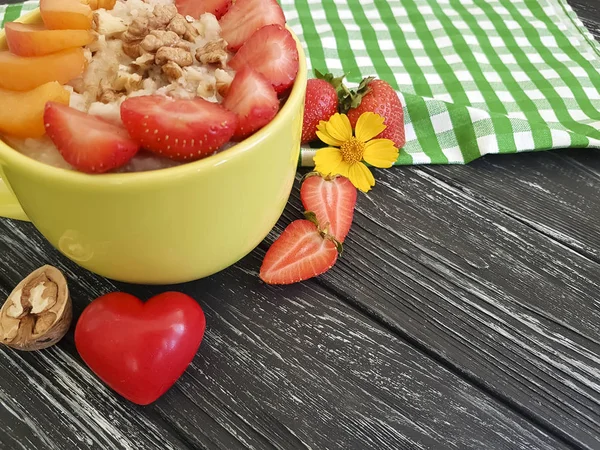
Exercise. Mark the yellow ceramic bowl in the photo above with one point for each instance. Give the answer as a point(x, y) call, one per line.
point(165, 226)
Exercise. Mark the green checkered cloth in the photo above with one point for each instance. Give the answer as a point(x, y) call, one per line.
point(476, 76)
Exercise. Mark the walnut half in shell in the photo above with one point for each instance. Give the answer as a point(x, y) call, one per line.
point(38, 312)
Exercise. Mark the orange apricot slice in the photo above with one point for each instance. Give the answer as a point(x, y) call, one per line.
point(23, 73)
point(97, 4)
point(22, 113)
point(66, 14)
point(36, 40)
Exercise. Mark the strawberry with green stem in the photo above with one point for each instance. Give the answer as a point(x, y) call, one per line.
point(371, 95)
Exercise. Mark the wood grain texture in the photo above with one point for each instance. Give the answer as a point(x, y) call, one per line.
point(589, 13)
point(494, 299)
point(280, 367)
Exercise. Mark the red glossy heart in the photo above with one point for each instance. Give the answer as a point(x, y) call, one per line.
point(140, 349)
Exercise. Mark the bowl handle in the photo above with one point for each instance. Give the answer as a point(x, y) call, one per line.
point(9, 205)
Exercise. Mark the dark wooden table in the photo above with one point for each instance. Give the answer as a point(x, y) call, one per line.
point(465, 313)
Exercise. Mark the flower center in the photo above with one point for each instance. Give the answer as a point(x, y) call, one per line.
point(352, 150)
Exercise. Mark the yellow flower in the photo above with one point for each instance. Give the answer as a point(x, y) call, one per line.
point(349, 151)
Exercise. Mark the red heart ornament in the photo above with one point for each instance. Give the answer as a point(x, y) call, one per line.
point(140, 349)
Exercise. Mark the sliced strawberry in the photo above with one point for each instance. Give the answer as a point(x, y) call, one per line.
point(300, 253)
point(271, 51)
point(183, 130)
point(87, 142)
point(196, 8)
point(252, 97)
point(247, 16)
point(332, 200)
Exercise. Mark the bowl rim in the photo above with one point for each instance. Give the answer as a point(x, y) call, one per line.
point(11, 156)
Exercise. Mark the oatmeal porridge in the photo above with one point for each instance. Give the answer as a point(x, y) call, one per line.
point(147, 48)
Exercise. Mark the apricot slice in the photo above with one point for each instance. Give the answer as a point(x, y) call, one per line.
point(36, 40)
point(23, 73)
point(22, 113)
point(97, 4)
point(66, 14)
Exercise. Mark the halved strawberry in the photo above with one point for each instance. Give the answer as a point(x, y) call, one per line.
point(196, 8)
point(87, 142)
point(271, 51)
point(332, 200)
point(301, 252)
point(247, 16)
point(183, 130)
point(252, 97)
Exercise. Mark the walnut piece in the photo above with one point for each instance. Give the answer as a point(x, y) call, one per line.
point(172, 70)
point(159, 38)
point(38, 312)
point(108, 96)
point(161, 16)
point(179, 56)
point(128, 82)
point(132, 49)
point(137, 30)
point(183, 28)
point(178, 25)
point(213, 52)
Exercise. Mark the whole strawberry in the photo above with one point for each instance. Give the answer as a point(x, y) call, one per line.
point(379, 97)
point(321, 103)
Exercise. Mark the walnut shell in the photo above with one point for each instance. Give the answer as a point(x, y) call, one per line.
point(38, 312)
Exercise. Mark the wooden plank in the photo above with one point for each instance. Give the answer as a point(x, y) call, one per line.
point(492, 298)
point(554, 193)
point(280, 367)
point(588, 13)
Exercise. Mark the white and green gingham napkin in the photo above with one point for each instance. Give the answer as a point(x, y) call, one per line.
point(475, 76)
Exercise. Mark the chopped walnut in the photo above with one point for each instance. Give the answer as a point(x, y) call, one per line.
point(183, 28)
point(108, 96)
point(128, 82)
point(178, 55)
point(133, 36)
point(159, 38)
point(136, 30)
point(132, 49)
point(213, 52)
point(178, 25)
point(161, 16)
point(172, 70)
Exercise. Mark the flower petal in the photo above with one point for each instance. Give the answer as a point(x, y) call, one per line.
point(339, 127)
point(340, 169)
point(368, 126)
point(324, 135)
point(361, 177)
point(380, 153)
point(327, 159)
